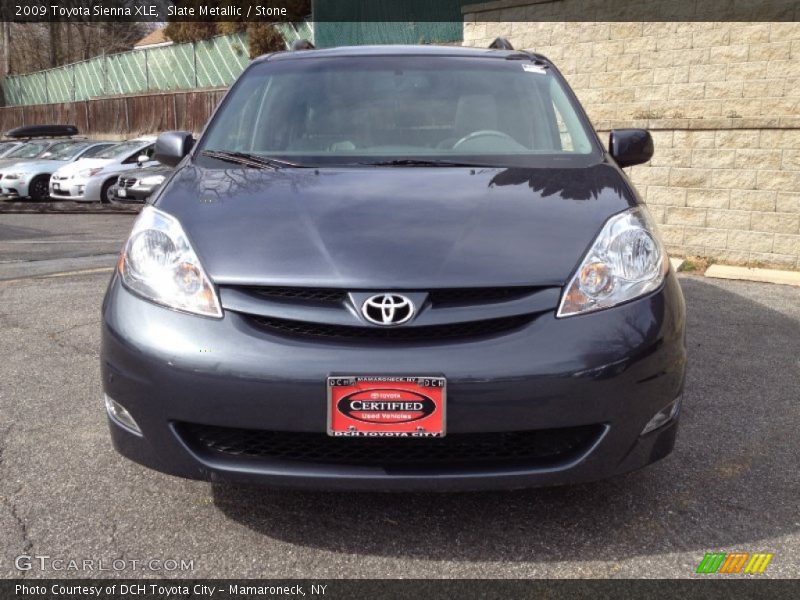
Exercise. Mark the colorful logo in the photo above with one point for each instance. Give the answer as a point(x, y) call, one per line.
point(734, 562)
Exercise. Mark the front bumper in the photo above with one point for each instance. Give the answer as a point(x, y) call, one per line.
point(133, 195)
point(79, 190)
point(15, 188)
point(613, 369)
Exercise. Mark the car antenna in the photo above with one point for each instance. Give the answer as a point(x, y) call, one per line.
point(501, 43)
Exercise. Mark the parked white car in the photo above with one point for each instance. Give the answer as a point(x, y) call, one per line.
point(91, 179)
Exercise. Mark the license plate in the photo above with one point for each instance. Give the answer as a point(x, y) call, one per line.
point(121, 192)
point(57, 187)
point(370, 406)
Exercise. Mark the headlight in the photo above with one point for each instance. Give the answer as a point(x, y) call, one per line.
point(626, 261)
point(90, 172)
point(152, 180)
point(159, 264)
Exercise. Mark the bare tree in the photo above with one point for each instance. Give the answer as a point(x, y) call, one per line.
point(40, 46)
point(6, 45)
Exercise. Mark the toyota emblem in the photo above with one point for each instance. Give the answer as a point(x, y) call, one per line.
point(387, 309)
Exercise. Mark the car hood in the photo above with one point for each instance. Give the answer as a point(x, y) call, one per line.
point(384, 228)
point(149, 172)
point(5, 163)
point(84, 163)
point(40, 166)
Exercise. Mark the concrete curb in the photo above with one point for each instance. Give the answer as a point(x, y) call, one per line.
point(66, 208)
point(676, 263)
point(760, 275)
point(16, 270)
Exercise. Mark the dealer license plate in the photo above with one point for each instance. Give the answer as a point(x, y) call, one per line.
point(121, 192)
point(57, 187)
point(390, 406)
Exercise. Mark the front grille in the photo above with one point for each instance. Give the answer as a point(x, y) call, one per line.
point(457, 450)
point(437, 297)
point(125, 182)
point(283, 294)
point(450, 331)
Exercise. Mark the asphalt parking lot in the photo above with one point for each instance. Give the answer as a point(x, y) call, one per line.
point(732, 483)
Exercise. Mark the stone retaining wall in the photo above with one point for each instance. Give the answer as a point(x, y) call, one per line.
point(722, 100)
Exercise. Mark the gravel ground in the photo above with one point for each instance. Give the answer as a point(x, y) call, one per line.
point(732, 483)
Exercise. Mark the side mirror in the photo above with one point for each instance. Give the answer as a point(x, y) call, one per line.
point(142, 158)
point(630, 146)
point(172, 146)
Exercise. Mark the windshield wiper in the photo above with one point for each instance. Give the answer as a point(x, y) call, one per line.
point(417, 162)
point(250, 160)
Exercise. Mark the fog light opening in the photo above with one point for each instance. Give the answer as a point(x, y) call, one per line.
point(663, 416)
point(121, 416)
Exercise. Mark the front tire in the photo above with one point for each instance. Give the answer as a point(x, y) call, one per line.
point(39, 188)
point(105, 192)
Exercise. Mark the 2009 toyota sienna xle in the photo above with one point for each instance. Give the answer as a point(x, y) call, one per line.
point(396, 268)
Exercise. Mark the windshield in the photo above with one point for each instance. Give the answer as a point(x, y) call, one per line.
point(95, 150)
point(397, 110)
point(64, 150)
point(122, 149)
point(28, 150)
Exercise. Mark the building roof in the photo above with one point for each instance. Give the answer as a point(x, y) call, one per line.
point(154, 38)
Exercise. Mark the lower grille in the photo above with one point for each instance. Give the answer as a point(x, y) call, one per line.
point(458, 450)
point(471, 296)
point(450, 331)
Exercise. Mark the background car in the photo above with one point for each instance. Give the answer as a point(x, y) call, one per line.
point(137, 186)
point(30, 150)
point(91, 179)
point(32, 141)
point(7, 146)
point(31, 178)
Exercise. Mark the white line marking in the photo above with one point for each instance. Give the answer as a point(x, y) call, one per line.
point(60, 274)
point(57, 241)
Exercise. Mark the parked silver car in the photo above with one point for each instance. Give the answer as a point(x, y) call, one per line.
point(28, 150)
point(91, 179)
point(31, 178)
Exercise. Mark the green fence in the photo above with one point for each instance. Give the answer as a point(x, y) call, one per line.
point(211, 63)
point(356, 22)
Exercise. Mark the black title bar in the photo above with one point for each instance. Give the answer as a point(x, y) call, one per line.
point(391, 589)
point(27, 11)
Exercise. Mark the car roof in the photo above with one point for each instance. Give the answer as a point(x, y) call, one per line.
point(401, 50)
point(52, 141)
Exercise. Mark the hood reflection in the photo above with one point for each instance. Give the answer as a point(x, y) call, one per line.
point(569, 184)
